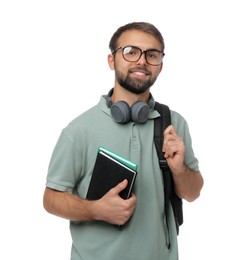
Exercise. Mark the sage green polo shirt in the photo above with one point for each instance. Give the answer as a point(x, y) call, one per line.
point(143, 237)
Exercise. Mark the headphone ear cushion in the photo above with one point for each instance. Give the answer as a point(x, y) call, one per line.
point(140, 112)
point(120, 112)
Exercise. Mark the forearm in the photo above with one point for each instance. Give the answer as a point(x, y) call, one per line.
point(67, 205)
point(110, 208)
point(188, 183)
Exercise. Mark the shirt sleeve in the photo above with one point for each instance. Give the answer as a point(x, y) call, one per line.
point(65, 165)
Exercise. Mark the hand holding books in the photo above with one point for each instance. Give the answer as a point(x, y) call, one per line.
point(114, 210)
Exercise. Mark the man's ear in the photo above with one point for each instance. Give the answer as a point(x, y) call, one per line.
point(111, 61)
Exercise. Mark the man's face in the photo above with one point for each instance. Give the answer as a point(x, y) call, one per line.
point(135, 76)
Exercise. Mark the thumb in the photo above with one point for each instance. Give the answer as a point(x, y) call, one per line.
point(169, 131)
point(120, 186)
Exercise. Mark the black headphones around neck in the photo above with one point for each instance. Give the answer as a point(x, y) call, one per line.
point(122, 113)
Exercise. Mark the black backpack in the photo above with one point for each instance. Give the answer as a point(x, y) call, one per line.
point(160, 124)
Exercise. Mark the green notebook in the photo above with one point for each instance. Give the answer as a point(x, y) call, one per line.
point(119, 158)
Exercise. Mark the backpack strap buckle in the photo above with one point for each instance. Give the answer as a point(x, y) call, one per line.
point(163, 164)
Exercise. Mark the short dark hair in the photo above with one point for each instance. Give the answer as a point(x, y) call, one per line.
point(141, 26)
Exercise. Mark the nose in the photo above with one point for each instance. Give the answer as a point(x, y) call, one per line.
point(142, 59)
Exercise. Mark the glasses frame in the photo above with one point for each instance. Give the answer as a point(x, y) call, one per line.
point(145, 52)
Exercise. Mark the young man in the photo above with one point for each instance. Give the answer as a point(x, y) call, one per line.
point(118, 123)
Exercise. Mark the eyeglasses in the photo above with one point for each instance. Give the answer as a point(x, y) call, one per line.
point(133, 54)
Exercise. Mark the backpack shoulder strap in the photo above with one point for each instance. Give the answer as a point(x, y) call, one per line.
point(160, 124)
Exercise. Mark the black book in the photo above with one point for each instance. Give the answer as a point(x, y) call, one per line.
point(109, 170)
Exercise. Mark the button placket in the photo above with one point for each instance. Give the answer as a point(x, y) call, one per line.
point(135, 136)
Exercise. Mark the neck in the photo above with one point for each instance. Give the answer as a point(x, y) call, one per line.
point(121, 94)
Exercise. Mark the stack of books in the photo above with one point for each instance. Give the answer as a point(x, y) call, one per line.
point(109, 170)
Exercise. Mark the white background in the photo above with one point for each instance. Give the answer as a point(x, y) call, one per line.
point(53, 66)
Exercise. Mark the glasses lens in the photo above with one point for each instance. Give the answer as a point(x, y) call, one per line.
point(153, 57)
point(131, 53)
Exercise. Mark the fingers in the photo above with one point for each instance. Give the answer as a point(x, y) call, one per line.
point(169, 131)
point(173, 144)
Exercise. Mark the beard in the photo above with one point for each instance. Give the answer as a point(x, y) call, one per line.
point(136, 86)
